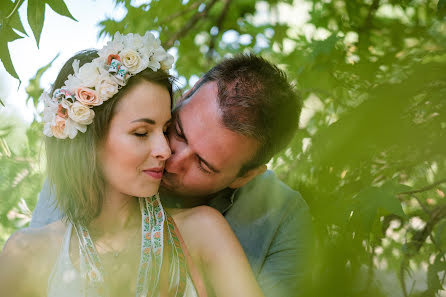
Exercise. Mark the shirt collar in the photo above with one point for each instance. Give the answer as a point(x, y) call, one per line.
point(221, 201)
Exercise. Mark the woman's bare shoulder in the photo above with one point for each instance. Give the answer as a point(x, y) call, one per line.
point(204, 227)
point(27, 259)
point(201, 217)
point(34, 241)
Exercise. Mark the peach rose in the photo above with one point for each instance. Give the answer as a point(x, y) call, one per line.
point(87, 97)
point(58, 129)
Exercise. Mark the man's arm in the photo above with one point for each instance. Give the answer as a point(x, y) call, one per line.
point(46, 210)
point(285, 270)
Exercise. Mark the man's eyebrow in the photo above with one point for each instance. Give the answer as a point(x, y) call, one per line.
point(145, 120)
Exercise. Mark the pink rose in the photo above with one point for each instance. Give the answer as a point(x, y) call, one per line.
point(88, 97)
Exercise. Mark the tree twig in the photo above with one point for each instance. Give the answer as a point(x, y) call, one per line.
point(189, 25)
point(421, 204)
point(16, 6)
point(426, 188)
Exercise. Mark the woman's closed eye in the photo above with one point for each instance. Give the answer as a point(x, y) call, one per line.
point(141, 133)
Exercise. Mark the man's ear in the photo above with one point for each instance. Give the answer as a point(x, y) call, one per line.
point(250, 174)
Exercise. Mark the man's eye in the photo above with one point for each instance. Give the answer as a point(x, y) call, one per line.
point(202, 167)
point(178, 133)
point(140, 134)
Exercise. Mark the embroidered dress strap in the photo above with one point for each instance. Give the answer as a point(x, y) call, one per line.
point(193, 271)
point(158, 230)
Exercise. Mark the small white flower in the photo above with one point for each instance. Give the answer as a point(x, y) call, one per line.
point(71, 128)
point(75, 66)
point(50, 107)
point(167, 62)
point(112, 47)
point(133, 41)
point(72, 83)
point(81, 113)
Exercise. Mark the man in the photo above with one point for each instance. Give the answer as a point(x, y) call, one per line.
point(241, 113)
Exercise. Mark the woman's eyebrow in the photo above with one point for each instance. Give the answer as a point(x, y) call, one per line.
point(146, 120)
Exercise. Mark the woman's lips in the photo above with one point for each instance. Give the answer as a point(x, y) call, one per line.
point(156, 173)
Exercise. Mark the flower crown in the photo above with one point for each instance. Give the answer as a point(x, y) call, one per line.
point(69, 110)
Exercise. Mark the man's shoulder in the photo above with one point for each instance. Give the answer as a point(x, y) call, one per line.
point(268, 189)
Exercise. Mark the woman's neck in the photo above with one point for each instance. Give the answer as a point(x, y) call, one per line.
point(119, 212)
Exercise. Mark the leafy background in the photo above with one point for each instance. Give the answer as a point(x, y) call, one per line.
point(369, 157)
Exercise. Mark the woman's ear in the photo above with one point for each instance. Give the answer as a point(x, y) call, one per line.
point(249, 175)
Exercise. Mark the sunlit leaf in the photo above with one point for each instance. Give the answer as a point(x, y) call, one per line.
point(33, 89)
point(7, 35)
point(370, 201)
point(36, 17)
point(60, 7)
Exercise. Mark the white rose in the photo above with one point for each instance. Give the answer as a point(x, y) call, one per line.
point(132, 60)
point(88, 74)
point(81, 113)
point(106, 87)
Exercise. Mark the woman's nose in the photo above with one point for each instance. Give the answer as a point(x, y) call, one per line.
point(162, 149)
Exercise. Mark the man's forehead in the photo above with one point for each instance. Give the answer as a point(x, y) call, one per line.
point(208, 138)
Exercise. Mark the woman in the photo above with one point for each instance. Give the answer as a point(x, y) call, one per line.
point(105, 146)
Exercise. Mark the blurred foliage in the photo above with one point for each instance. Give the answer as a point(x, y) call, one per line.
point(369, 157)
point(21, 164)
point(372, 77)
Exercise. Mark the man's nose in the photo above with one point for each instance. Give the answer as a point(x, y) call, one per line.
point(179, 159)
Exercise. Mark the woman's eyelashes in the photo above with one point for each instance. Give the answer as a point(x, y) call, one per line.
point(137, 134)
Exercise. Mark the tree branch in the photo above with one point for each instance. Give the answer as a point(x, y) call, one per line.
point(219, 24)
point(420, 236)
point(180, 13)
point(189, 25)
point(426, 188)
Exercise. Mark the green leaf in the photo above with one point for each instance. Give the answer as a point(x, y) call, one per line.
point(433, 281)
point(60, 7)
point(16, 23)
point(36, 17)
point(1, 102)
point(33, 89)
point(7, 35)
point(372, 201)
